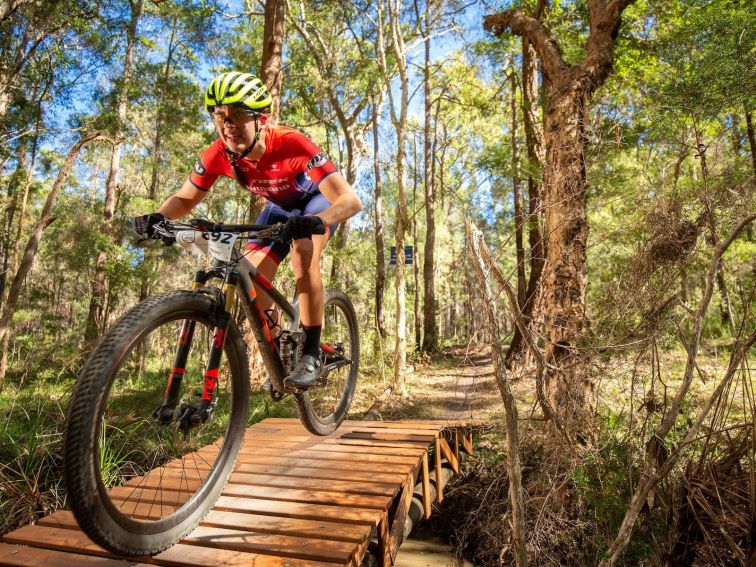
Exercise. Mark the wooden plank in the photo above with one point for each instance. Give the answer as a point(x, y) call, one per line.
point(177, 498)
point(399, 516)
point(426, 488)
point(437, 462)
point(449, 454)
point(467, 443)
point(319, 464)
point(291, 471)
point(55, 538)
point(23, 556)
point(382, 443)
point(384, 554)
point(320, 529)
point(415, 425)
point(252, 522)
point(377, 435)
point(184, 555)
point(326, 485)
point(334, 445)
point(380, 432)
point(271, 544)
point(456, 445)
point(298, 510)
point(328, 455)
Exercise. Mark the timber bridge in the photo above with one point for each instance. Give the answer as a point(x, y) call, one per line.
point(293, 500)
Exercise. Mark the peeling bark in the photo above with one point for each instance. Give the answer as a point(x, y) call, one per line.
point(272, 54)
point(560, 304)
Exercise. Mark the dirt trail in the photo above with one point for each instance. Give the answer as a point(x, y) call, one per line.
point(460, 385)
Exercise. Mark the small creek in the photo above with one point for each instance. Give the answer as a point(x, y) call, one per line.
point(424, 549)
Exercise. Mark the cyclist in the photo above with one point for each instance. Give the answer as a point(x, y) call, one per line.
point(302, 186)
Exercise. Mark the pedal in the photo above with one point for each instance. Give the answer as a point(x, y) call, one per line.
point(163, 414)
point(272, 392)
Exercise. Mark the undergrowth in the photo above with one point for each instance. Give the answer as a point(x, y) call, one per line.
point(31, 441)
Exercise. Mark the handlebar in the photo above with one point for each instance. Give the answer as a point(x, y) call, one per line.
point(166, 230)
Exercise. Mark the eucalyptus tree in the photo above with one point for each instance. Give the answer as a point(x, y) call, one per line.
point(562, 294)
point(96, 303)
point(164, 86)
point(398, 113)
point(271, 72)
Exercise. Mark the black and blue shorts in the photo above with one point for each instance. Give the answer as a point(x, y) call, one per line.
point(273, 213)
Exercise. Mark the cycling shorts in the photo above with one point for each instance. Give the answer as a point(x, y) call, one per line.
point(273, 213)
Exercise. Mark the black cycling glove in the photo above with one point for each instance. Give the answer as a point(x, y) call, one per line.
point(303, 227)
point(145, 224)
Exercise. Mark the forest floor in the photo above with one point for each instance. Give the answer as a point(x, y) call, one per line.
point(460, 384)
point(456, 385)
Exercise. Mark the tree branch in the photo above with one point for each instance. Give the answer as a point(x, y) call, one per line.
point(526, 26)
point(605, 19)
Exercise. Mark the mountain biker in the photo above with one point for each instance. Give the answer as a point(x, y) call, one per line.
point(302, 186)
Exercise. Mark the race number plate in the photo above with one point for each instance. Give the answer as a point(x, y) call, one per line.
point(217, 245)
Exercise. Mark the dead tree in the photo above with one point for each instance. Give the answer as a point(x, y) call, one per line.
point(514, 469)
point(660, 460)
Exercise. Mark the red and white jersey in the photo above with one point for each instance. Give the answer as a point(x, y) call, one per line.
point(290, 171)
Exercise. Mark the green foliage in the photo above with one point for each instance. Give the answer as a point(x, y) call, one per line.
point(603, 481)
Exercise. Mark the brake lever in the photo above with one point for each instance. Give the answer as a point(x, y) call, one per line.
point(203, 225)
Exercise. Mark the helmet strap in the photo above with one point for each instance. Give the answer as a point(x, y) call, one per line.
point(251, 147)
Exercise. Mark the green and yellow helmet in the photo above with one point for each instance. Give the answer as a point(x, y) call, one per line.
point(237, 88)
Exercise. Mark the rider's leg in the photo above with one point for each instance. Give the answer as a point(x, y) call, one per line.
point(267, 265)
point(305, 261)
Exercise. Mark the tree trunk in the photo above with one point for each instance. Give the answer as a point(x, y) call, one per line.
point(430, 305)
point(534, 145)
point(271, 73)
point(96, 304)
point(518, 217)
point(380, 246)
point(751, 140)
point(560, 303)
point(415, 266)
point(400, 356)
point(32, 245)
point(17, 181)
point(399, 120)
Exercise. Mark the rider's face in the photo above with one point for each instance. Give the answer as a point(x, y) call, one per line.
point(236, 126)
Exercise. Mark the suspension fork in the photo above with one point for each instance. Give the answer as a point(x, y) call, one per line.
point(209, 393)
point(184, 344)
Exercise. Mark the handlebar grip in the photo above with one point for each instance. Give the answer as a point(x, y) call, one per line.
point(205, 225)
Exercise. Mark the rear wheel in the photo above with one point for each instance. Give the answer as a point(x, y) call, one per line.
point(141, 476)
point(325, 404)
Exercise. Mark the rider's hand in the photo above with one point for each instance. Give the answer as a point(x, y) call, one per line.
point(145, 224)
point(303, 227)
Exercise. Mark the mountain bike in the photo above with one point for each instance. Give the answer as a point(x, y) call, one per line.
point(160, 407)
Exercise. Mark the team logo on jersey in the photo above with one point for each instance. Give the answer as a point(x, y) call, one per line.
point(317, 160)
point(199, 169)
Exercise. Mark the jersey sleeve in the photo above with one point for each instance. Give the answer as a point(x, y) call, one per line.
point(309, 157)
point(207, 169)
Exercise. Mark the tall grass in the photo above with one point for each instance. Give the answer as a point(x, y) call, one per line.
point(31, 438)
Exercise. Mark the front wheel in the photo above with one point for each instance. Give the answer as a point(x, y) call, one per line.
point(150, 440)
point(325, 404)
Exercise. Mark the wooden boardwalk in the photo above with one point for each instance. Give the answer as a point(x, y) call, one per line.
point(293, 500)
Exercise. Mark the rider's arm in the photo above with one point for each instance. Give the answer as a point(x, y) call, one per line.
point(344, 201)
point(183, 201)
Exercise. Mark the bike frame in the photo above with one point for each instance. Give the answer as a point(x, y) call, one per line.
point(245, 284)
